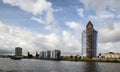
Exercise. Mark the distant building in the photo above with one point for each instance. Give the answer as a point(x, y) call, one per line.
point(18, 51)
point(56, 54)
point(83, 53)
point(53, 54)
point(42, 54)
point(111, 55)
point(50, 54)
point(89, 41)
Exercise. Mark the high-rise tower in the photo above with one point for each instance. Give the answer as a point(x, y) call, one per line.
point(89, 41)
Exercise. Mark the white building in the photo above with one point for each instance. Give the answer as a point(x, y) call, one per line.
point(112, 55)
point(50, 54)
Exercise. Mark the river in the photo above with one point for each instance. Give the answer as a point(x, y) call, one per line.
point(33, 65)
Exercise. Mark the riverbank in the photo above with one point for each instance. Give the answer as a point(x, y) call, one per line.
point(81, 60)
point(73, 59)
point(86, 60)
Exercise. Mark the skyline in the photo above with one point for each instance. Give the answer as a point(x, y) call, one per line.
point(37, 25)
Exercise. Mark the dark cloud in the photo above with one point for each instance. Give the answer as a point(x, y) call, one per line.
point(109, 33)
point(4, 51)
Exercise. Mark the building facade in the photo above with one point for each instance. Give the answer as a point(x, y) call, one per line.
point(89, 41)
point(57, 54)
point(83, 53)
point(111, 55)
point(50, 54)
point(18, 51)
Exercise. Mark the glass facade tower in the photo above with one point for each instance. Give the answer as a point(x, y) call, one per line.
point(89, 41)
point(83, 53)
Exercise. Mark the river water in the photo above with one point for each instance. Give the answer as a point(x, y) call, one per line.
point(32, 65)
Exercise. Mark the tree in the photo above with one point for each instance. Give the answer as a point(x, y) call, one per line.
point(37, 55)
point(30, 55)
point(99, 54)
point(71, 56)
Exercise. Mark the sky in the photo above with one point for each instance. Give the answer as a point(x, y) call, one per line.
point(40, 25)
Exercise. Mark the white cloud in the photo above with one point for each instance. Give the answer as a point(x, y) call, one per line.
point(77, 28)
point(49, 27)
point(11, 37)
point(80, 12)
point(36, 7)
point(109, 37)
point(49, 17)
point(72, 25)
point(71, 43)
point(41, 5)
point(110, 32)
point(26, 5)
point(68, 43)
point(102, 10)
point(96, 5)
point(108, 47)
point(102, 17)
point(3, 27)
point(33, 6)
point(58, 9)
point(115, 4)
point(39, 20)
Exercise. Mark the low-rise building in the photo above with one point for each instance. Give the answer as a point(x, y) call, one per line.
point(110, 55)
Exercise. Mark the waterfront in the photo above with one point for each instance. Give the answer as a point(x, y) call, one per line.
point(33, 65)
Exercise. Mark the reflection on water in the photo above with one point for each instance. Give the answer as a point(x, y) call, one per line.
point(32, 65)
point(91, 67)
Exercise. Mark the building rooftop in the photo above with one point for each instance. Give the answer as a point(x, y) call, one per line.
point(89, 24)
